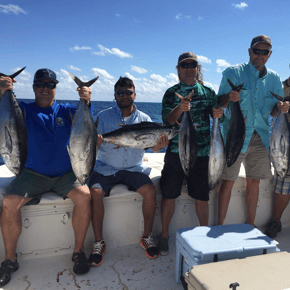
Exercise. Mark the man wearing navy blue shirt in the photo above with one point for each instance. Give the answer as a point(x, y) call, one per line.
point(122, 165)
point(47, 168)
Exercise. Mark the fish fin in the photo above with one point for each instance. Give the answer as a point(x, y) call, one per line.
point(190, 95)
point(279, 98)
point(179, 96)
point(8, 140)
point(68, 149)
point(89, 83)
point(13, 75)
point(235, 88)
point(77, 80)
point(81, 83)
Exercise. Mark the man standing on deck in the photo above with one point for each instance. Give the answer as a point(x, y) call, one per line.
point(122, 165)
point(257, 104)
point(47, 168)
point(201, 106)
point(282, 189)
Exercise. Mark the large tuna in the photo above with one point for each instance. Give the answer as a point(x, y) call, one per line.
point(187, 142)
point(236, 131)
point(82, 147)
point(13, 133)
point(142, 135)
point(279, 142)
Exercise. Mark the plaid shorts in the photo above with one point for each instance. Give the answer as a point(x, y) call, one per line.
point(282, 185)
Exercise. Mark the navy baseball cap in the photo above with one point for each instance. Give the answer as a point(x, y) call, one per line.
point(45, 73)
point(261, 38)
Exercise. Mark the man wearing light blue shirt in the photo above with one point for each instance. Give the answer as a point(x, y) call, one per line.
point(256, 104)
point(122, 165)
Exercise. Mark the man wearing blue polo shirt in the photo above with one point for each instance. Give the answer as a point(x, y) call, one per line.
point(257, 104)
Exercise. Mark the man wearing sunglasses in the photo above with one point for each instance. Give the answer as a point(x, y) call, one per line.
point(201, 106)
point(257, 104)
point(47, 168)
point(122, 165)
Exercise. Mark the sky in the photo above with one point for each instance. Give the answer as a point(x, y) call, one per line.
point(138, 39)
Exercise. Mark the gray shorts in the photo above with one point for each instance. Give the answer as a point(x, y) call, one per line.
point(256, 162)
point(282, 186)
point(134, 180)
point(33, 185)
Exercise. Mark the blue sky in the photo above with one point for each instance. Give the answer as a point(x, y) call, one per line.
point(138, 39)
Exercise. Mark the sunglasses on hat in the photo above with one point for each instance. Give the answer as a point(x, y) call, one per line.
point(188, 64)
point(260, 51)
point(121, 93)
point(50, 85)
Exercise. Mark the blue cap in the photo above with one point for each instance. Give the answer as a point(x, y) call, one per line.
point(45, 73)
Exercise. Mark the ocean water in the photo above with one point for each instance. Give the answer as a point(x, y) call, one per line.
point(151, 109)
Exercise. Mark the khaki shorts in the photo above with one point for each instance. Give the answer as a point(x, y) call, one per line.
point(33, 185)
point(256, 162)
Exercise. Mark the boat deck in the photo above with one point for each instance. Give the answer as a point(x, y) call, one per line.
point(124, 268)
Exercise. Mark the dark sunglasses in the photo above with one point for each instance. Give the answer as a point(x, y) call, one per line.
point(51, 85)
point(261, 51)
point(188, 64)
point(121, 93)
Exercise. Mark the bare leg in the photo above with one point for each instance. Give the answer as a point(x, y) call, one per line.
point(148, 192)
point(11, 223)
point(280, 203)
point(98, 212)
point(224, 199)
point(252, 195)
point(201, 208)
point(167, 211)
point(81, 214)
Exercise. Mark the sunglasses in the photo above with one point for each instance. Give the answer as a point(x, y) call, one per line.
point(260, 51)
point(121, 93)
point(188, 64)
point(43, 85)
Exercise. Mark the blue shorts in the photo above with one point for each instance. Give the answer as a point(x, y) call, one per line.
point(172, 177)
point(282, 185)
point(134, 180)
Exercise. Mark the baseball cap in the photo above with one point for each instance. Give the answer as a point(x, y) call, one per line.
point(45, 73)
point(187, 55)
point(261, 38)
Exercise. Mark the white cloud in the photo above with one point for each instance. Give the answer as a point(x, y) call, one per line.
point(179, 16)
point(99, 53)
point(138, 70)
point(114, 51)
point(11, 8)
point(219, 70)
point(173, 77)
point(102, 73)
point(213, 86)
point(199, 18)
point(117, 15)
point(74, 68)
point(158, 78)
point(222, 63)
point(203, 59)
point(241, 6)
point(80, 48)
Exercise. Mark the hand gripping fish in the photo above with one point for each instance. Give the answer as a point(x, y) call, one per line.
point(13, 133)
point(187, 143)
point(279, 142)
point(236, 130)
point(217, 156)
point(82, 147)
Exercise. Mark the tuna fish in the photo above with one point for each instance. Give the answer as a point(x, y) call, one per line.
point(187, 143)
point(142, 135)
point(217, 156)
point(236, 131)
point(82, 147)
point(13, 133)
point(279, 142)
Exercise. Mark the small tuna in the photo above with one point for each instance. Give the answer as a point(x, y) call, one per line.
point(236, 131)
point(142, 135)
point(82, 147)
point(279, 142)
point(187, 142)
point(217, 156)
point(13, 133)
